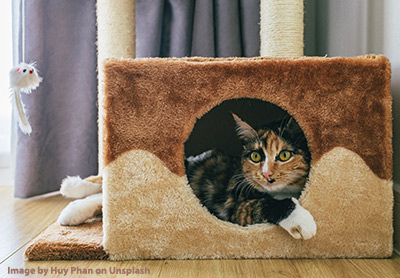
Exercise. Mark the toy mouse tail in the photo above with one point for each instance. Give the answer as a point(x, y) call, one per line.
point(18, 106)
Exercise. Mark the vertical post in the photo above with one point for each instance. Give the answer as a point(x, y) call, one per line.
point(116, 38)
point(281, 28)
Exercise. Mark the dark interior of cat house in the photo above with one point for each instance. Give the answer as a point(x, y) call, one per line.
point(216, 129)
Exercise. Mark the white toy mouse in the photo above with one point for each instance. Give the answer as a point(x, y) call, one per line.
point(23, 78)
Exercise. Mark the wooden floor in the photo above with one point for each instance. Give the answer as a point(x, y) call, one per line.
point(22, 220)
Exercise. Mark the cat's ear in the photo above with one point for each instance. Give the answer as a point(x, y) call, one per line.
point(289, 123)
point(244, 130)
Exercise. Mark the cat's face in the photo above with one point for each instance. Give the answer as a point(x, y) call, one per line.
point(275, 157)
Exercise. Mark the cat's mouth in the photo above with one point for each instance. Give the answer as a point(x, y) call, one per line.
point(271, 185)
point(277, 188)
point(268, 185)
point(270, 180)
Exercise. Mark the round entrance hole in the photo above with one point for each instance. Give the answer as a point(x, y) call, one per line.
point(230, 175)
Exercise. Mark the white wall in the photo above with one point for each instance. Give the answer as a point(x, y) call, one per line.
point(6, 62)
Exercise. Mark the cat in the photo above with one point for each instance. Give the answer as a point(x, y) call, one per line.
point(260, 186)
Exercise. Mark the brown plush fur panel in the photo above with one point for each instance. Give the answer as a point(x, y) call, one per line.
point(339, 102)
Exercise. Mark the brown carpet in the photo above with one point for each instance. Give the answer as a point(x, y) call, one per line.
point(83, 242)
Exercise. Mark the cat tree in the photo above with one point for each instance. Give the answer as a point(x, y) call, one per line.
point(150, 107)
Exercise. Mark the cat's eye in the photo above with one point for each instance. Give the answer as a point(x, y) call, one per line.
point(255, 157)
point(285, 155)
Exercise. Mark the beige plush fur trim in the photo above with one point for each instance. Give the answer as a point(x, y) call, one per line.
point(116, 36)
point(151, 213)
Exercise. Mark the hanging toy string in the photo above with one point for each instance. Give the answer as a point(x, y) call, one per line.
point(23, 78)
point(23, 30)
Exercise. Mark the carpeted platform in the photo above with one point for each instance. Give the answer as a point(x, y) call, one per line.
point(83, 242)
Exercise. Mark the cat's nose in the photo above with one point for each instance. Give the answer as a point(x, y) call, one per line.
point(268, 175)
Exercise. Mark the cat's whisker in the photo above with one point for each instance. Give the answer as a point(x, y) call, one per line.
point(237, 176)
point(243, 185)
point(239, 184)
point(249, 190)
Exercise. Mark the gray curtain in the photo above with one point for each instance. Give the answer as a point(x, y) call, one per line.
point(61, 38)
point(210, 28)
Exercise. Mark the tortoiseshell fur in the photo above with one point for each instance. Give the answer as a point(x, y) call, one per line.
point(245, 192)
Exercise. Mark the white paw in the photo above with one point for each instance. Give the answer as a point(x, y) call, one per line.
point(300, 224)
point(72, 215)
point(78, 211)
point(75, 187)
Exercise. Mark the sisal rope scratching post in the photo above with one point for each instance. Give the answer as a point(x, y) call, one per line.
point(281, 28)
point(115, 39)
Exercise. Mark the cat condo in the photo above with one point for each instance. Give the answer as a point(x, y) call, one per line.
point(151, 107)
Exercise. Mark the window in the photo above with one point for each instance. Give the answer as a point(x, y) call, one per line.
point(6, 61)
